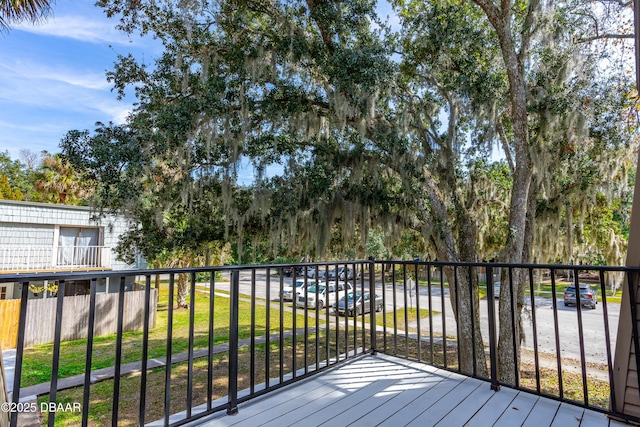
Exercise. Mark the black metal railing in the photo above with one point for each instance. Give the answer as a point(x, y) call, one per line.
point(236, 338)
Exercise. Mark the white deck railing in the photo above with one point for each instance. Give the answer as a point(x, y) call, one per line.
point(35, 258)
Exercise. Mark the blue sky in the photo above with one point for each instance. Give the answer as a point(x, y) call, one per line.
point(52, 76)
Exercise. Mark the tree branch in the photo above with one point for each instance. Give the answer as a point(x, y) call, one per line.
point(619, 2)
point(326, 37)
point(606, 36)
point(527, 30)
point(505, 147)
point(490, 9)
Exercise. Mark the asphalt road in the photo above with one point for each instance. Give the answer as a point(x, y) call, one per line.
point(568, 332)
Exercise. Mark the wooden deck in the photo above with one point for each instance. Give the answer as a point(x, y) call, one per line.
point(386, 391)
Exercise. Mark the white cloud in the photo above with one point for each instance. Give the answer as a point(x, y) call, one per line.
point(68, 98)
point(54, 93)
point(25, 71)
point(117, 111)
point(80, 28)
point(35, 127)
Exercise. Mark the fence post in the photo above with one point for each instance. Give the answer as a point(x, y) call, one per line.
point(232, 408)
point(493, 345)
point(372, 300)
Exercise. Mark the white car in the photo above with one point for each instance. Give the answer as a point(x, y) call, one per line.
point(327, 294)
point(289, 293)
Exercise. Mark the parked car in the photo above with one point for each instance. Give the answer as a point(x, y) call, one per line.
point(311, 272)
point(588, 296)
point(288, 271)
point(349, 274)
point(355, 303)
point(326, 294)
point(334, 272)
point(288, 292)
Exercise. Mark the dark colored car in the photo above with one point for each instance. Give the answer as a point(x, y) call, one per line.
point(332, 272)
point(588, 297)
point(349, 274)
point(288, 271)
point(352, 304)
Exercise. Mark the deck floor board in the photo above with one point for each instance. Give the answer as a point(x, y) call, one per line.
point(381, 390)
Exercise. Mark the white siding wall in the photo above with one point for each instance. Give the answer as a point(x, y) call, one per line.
point(25, 234)
point(26, 223)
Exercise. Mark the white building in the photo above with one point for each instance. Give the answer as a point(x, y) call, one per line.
point(40, 237)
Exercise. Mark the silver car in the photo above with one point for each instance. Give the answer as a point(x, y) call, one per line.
point(588, 296)
point(355, 303)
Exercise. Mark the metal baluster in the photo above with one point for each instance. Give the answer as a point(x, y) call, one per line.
point(536, 357)
point(267, 349)
point(457, 313)
point(395, 311)
point(281, 311)
point(493, 341)
point(371, 297)
point(232, 393)
point(17, 377)
point(89, 354)
point(557, 332)
point(418, 314)
point(430, 313)
point(145, 349)
point(384, 308)
point(473, 322)
point(406, 310)
point(252, 345)
point(192, 311)
point(607, 335)
point(118, 365)
point(167, 377)
point(212, 283)
point(372, 318)
point(56, 352)
point(512, 292)
point(444, 317)
point(581, 337)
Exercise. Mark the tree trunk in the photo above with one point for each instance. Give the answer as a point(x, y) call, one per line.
point(501, 20)
point(463, 286)
point(511, 333)
point(463, 290)
point(471, 336)
point(183, 290)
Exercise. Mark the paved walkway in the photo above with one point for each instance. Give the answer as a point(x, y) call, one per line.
point(9, 359)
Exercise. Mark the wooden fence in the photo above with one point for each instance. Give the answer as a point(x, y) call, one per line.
point(9, 316)
point(41, 317)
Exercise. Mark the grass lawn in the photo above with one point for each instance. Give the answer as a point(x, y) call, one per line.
point(402, 316)
point(38, 360)
point(100, 405)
